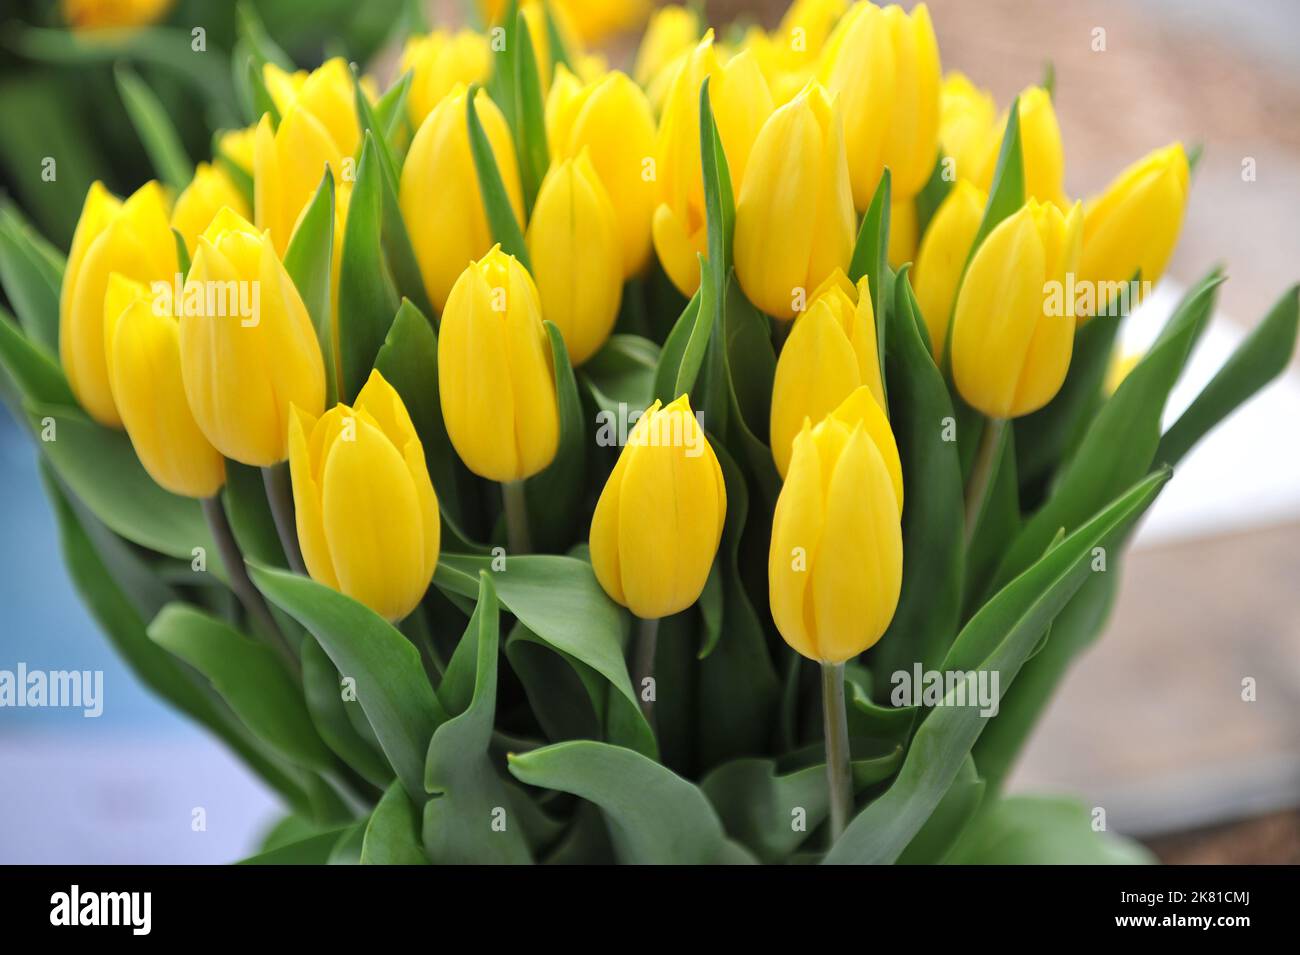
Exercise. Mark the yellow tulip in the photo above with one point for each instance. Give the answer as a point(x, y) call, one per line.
point(132, 238)
point(672, 31)
point(884, 66)
point(574, 250)
point(288, 165)
point(968, 129)
point(248, 346)
point(208, 192)
point(109, 14)
point(611, 119)
point(495, 374)
point(741, 103)
point(587, 20)
point(365, 508)
point(327, 94)
point(1040, 145)
point(1134, 224)
point(440, 196)
point(144, 370)
point(788, 55)
point(943, 255)
point(794, 215)
point(659, 518)
point(438, 61)
point(902, 233)
point(835, 566)
point(1013, 330)
point(237, 146)
point(831, 352)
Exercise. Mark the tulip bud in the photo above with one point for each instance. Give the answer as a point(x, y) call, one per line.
point(831, 351)
point(1012, 336)
point(788, 55)
point(835, 567)
point(574, 249)
point(672, 31)
point(1040, 145)
point(327, 94)
point(237, 146)
point(365, 508)
point(794, 217)
point(968, 129)
point(112, 14)
point(288, 163)
point(132, 238)
point(1134, 224)
point(942, 257)
point(248, 346)
point(202, 199)
point(884, 66)
point(440, 197)
point(659, 519)
point(438, 61)
point(495, 373)
point(144, 369)
point(740, 101)
point(611, 119)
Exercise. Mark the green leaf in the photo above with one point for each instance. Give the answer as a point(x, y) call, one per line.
point(467, 792)
point(314, 850)
point(391, 112)
point(929, 605)
point(530, 115)
point(998, 640)
point(1257, 360)
point(1043, 830)
point(249, 27)
point(654, 816)
point(501, 84)
point(548, 594)
point(249, 677)
point(37, 375)
point(555, 41)
point(932, 194)
point(309, 260)
point(30, 279)
point(263, 102)
point(155, 129)
point(556, 494)
point(390, 681)
point(322, 689)
point(567, 697)
point(959, 804)
point(393, 833)
point(1120, 444)
point(504, 226)
point(622, 372)
point(697, 338)
point(674, 349)
point(100, 467)
point(750, 362)
point(719, 201)
point(871, 256)
point(1007, 194)
point(997, 520)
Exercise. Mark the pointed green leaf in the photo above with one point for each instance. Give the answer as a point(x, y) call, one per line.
point(155, 129)
point(309, 260)
point(393, 833)
point(504, 226)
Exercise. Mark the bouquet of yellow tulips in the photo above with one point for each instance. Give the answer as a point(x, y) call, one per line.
point(528, 461)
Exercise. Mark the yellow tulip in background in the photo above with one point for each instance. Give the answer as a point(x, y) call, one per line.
point(659, 518)
point(439, 61)
point(794, 212)
point(1010, 352)
point(366, 512)
point(788, 55)
point(109, 14)
point(884, 65)
point(672, 32)
point(144, 369)
point(244, 368)
point(831, 351)
point(741, 103)
point(440, 197)
point(495, 376)
point(575, 253)
point(208, 193)
point(942, 257)
point(133, 238)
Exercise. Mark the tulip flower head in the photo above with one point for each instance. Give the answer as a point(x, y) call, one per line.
point(660, 516)
point(132, 238)
point(943, 255)
point(672, 31)
point(208, 193)
point(1011, 336)
point(112, 14)
point(835, 567)
point(794, 215)
point(366, 511)
point(438, 62)
point(248, 346)
point(495, 374)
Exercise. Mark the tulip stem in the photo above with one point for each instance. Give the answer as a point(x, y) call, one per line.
point(836, 724)
point(279, 495)
point(516, 505)
point(977, 488)
point(249, 596)
point(643, 664)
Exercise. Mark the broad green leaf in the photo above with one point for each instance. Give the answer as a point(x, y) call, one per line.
point(347, 848)
point(501, 84)
point(393, 833)
point(249, 677)
point(697, 339)
point(1257, 360)
point(567, 697)
point(622, 372)
point(557, 494)
point(390, 681)
point(314, 850)
point(391, 113)
point(309, 260)
point(871, 258)
point(998, 640)
point(323, 692)
point(654, 816)
point(467, 792)
point(244, 497)
point(100, 467)
point(530, 115)
point(31, 281)
point(367, 296)
point(950, 817)
point(35, 372)
point(929, 605)
point(155, 129)
point(586, 842)
point(670, 356)
point(1039, 830)
point(505, 228)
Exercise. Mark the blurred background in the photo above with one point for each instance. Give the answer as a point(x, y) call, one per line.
point(1151, 725)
